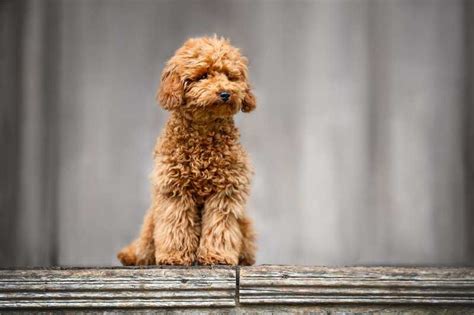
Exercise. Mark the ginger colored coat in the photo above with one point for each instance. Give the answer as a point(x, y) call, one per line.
point(201, 178)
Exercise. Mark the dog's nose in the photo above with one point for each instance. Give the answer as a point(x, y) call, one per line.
point(224, 96)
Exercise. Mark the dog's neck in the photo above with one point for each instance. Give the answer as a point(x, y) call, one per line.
point(192, 128)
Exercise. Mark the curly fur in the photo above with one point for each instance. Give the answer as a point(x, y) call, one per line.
point(201, 178)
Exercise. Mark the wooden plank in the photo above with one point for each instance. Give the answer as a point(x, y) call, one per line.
point(118, 287)
point(361, 285)
point(260, 288)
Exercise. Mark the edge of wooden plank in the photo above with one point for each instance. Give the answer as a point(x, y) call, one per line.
point(124, 287)
point(279, 284)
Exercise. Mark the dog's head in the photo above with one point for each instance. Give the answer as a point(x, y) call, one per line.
point(206, 78)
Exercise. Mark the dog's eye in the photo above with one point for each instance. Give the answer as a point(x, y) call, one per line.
point(203, 76)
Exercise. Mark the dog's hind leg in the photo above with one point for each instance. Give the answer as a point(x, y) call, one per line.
point(142, 250)
point(247, 253)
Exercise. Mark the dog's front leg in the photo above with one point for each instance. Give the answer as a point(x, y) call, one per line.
point(221, 236)
point(177, 230)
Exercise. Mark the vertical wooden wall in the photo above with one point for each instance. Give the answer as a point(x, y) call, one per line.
point(361, 140)
point(468, 125)
point(10, 129)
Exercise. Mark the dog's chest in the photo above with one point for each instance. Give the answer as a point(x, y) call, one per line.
point(209, 167)
point(204, 167)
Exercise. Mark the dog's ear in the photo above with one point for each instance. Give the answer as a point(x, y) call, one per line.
point(248, 104)
point(170, 92)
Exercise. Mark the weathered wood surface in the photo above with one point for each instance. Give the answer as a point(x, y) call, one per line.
point(270, 310)
point(117, 288)
point(245, 290)
point(367, 285)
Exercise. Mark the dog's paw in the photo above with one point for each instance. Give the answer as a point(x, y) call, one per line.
point(211, 258)
point(175, 259)
point(127, 257)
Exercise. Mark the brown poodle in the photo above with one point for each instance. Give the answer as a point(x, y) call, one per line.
point(201, 178)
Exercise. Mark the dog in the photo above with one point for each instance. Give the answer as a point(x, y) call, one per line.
point(201, 176)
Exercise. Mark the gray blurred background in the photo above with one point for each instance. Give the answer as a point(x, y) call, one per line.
point(362, 142)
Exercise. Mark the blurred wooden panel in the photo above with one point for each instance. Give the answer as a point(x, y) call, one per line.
point(10, 17)
point(417, 191)
point(39, 146)
point(360, 139)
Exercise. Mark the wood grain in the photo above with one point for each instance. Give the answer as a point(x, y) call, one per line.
point(117, 288)
point(361, 285)
point(277, 289)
